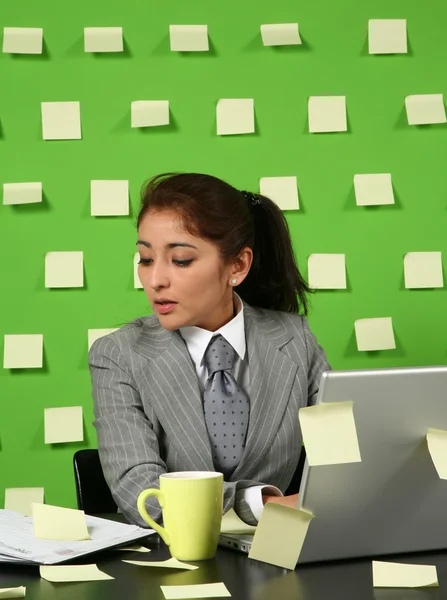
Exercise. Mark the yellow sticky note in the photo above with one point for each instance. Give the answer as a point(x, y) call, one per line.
point(437, 446)
point(171, 563)
point(149, 113)
point(21, 499)
point(387, 36)
point(375, 334)
point(22, 193)
point(63, 424)
point(425, 109)
point(23, 351)
point(282, 190)
point(17, 592)
point(136, 279)
point(280, 34)
point(373, 189)
point(235, 116)
point(231, 523)
point(204, 590)
point(61, 120)
point(132, 549)
point(330, 434)
point(109, 197)
point(327, 271)
point(188, 38)
point(62, 573)
point(22, 40)
point(64, 269)
point(57, 523)
point(95, 334)
point(103, 39)
point(327, 114)
point(389, 574)
point(280, 535)
point(423, 270)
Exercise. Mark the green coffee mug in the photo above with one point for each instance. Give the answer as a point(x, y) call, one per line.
point(191, 502)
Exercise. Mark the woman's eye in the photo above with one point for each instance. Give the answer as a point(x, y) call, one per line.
point(145, 261)
point(182, 263)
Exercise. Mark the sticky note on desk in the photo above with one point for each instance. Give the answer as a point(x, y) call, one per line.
point(188, 38)
point(21, 499)
point(231, 523)
point(57, 523)
point(22, 193)
point(425, 109)
point(373, 189)
point(63, 573)
point(280, 34)
point(327, 114)
point(330, 434)
point(64, 269)
point(437, 446)
point(389, 574)
point(423, 270)
point(387, 36)
point(280, 535)
point(327, 271)
point(103, 39)
point(171, 563)
point(16, 592)
point(282, 190)
point(375, 334)
point(63, 424)
point(235, 116)
point(23, 351)
point(204, 590)
point(22, 40)
point(109, 197)
point(132, 549)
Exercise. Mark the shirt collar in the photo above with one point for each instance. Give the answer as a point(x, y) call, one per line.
point(197, 339)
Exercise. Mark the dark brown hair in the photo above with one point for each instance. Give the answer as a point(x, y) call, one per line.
point(212, 209)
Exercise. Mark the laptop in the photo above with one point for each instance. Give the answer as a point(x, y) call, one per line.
point(393, 502)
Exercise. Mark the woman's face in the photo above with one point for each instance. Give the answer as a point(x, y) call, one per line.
point(184, 276)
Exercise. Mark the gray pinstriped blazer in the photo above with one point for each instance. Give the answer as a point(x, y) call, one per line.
point(149, 416)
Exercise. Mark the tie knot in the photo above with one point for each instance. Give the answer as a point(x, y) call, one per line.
point(219, 355)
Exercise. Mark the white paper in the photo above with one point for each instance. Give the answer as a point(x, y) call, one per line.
point(22, 193)
point(327, 271)
point(327, 114)
point(18, 540)
point(61, 120)
point(64, 269)
point(375, 334)
point(23, 351)
point(425, 109)
point(373, 189)
point(188, 38)
point(63, 424)
point(136, 279)
point(109, 197)
point(22, 40)
point(95, 334)
point(235, 116)
point(16, 592)
point(103, 39)
point(21, 499)
point(149, 113)
point(387, 36)
point(423, 270)
point(282, 190)
point(402, 575)
point(280, 34)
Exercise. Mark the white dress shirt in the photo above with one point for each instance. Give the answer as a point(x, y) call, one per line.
point(197, 340)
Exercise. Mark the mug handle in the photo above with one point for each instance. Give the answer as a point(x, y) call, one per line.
point(141, 505)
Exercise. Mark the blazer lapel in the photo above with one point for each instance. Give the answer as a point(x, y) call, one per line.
point(272, 375)
point(173, 388)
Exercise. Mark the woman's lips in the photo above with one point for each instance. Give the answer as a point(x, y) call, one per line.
point(165, 307)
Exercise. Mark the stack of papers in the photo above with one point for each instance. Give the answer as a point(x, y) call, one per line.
point(18, 543)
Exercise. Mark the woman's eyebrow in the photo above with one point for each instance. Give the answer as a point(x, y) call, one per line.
point(170, 245)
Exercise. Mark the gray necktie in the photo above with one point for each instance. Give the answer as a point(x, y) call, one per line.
point(226, 407)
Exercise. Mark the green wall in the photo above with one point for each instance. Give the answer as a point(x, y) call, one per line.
point(333, 60)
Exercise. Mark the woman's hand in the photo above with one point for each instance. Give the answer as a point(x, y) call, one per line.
point(284, 500)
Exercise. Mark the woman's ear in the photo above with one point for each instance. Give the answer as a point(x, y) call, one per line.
point(241, 265)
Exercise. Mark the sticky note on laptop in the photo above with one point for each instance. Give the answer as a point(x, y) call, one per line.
point(437, 446)
point(280, 535)
point(57, 523)
point(330, 433)
point(389, 574)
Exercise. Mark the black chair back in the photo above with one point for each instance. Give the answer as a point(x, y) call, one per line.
point(92, 492)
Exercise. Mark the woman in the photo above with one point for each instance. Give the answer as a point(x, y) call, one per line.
point(214, 379)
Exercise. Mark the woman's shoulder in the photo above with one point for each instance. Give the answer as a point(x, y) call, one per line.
point(264, 316)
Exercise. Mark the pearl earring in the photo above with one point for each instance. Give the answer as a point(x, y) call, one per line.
point(234, 281)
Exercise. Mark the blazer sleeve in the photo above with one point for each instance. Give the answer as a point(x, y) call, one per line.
point(317, 364)
point(127, 443)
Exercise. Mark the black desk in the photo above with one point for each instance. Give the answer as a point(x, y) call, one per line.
point(245, 579)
